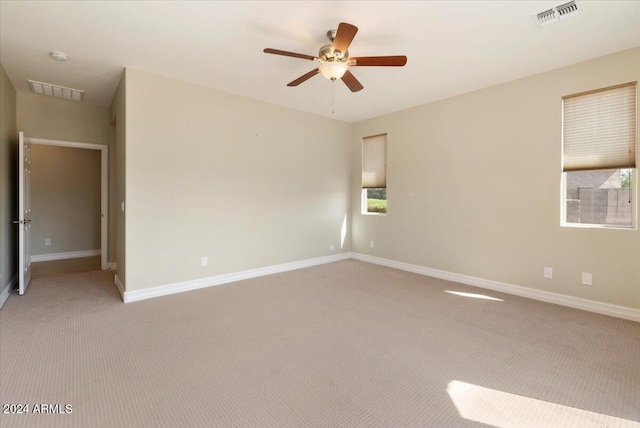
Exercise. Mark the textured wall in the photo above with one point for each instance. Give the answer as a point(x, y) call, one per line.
point(245, 183)
point(40, 116)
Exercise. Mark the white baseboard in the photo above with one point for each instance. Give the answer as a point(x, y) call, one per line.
point(62, 256)
point(531, 293)
point(113, 266)
point(179, 287)
point(120, 287)
point(545, 296)
point(6, 290)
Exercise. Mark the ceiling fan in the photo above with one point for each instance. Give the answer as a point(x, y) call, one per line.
point(335, 61)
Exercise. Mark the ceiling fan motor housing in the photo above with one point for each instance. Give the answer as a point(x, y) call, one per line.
point(327, 54)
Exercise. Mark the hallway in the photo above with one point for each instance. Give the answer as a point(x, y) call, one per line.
point(60, 267)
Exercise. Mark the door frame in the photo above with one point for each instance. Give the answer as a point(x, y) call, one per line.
point(104, 187)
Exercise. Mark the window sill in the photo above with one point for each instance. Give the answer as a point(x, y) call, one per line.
point(597, 226)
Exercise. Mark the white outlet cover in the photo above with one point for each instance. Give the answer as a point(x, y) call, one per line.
point(587, 279)
point(47, 241)
point(371, 244)
point(332, 248)
point(203, 261)
point(548, 272)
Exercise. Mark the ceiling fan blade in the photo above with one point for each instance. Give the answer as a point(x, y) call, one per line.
point(304, 78)
point(379, 61)
point(344, 36)
point(351, 82)
point(292, 54)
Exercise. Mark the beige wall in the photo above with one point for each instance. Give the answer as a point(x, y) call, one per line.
point(40, 116)
point(245, 183)
point(8, 182)
point(474, 188)
point(65, 199)
point(117, 190)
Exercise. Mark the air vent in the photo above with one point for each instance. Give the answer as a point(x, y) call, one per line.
point(55, 91)
point(564, 11)
point(547, 17)
point(567, 10)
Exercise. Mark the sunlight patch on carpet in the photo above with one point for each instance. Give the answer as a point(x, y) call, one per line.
point(474, 295)
point(503, 409)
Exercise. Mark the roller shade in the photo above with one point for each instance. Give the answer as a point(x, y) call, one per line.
point(374, 162)
point(599, 129)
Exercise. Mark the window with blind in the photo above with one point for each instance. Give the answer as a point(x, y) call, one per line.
point(374, 174)
point(599, 157)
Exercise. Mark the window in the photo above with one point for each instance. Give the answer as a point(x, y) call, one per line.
point(374, 175)
point(599, 157)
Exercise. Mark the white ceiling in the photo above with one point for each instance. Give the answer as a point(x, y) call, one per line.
point(452, 47)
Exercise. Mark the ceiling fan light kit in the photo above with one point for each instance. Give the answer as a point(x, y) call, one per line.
point(335, 61)
point(333, 70)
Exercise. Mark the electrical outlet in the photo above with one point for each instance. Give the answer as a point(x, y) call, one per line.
point(47, 241)
point(587, 278)
point(548, 272)
point(204, 262)
point(371, 244)
point(332, 248)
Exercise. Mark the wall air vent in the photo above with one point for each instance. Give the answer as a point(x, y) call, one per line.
point(549, 16)
point(55, 91)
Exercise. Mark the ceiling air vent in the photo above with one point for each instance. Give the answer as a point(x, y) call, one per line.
point(55, 91)
point(564, 11)
point(567, 10)
point(545, 18)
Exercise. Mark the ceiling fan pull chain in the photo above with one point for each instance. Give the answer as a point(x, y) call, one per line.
point(333, 98)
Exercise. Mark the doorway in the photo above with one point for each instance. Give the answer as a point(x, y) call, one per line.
point(82, 258)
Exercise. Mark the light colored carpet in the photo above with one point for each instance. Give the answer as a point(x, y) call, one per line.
point(57, 267)
point(341, 345)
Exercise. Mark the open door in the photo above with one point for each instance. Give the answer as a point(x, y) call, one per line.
point(24, 214)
